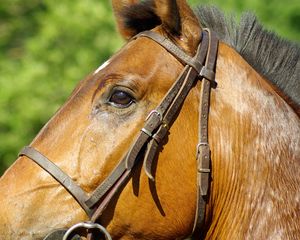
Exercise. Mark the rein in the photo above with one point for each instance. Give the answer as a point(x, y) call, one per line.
point(157, 124)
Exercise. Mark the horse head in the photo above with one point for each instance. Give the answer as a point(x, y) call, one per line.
point(253, 138)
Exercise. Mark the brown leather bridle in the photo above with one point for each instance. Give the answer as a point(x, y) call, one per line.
point(157, 124)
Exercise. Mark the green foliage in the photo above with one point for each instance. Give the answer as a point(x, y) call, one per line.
point(47, 46)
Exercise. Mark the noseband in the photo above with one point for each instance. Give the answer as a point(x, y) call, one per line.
point(200, 67)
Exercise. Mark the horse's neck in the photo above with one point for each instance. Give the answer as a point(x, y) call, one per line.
point(255, 155)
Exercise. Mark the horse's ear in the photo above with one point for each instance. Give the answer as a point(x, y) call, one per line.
point(118, 8)
point(134, 16)
point(175, 17)
point(180, 22)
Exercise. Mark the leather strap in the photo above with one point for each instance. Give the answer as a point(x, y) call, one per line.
point(174, 107)
point(172, 48)
point(59, 175)
point(106, 185)
point(203, 150)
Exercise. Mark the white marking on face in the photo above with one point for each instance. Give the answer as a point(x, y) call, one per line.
point(105, 64)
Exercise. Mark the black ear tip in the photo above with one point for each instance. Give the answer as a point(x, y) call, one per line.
point(141, 16)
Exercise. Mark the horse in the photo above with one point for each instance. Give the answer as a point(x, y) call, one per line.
point(239, 180)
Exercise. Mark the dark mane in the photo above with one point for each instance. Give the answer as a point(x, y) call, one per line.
point(273, 57)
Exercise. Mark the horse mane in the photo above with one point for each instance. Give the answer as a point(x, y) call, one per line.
point(273, 57)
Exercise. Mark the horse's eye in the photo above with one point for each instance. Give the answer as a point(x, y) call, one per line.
point(121, 99)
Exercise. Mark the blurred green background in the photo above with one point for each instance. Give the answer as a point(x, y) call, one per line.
point(47, 46)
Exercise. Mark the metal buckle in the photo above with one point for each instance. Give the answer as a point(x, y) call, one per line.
point(86, 225)
point(199, 145)
point(147, 132)
point(157, 113)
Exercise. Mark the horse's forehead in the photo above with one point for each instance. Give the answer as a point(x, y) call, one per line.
point(142, 62)
point(139, 56)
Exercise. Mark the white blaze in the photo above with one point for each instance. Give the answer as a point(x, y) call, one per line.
point(102, 66)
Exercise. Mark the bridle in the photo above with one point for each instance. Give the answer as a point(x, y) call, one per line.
point(157, 124)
